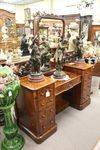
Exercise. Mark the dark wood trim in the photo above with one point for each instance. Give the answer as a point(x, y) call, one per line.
point(38, 19)
point(38, 139)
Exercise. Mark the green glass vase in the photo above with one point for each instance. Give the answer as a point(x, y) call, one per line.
point(8, 94)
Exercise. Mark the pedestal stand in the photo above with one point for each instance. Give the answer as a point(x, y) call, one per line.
point(8, 94)
point(12, 140)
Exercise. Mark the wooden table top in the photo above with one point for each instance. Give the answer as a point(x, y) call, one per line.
point(25, 82)
point(72, 76)
point(48, 80)
point(79, 65)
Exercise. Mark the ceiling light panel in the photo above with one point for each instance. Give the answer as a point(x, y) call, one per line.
point(20, 2)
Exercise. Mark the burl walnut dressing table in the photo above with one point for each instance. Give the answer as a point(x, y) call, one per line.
point(38, 103)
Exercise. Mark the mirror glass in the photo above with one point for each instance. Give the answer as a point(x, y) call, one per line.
point(71, 32)
point(51, 30)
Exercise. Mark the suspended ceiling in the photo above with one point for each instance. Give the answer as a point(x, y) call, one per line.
point(20, 2)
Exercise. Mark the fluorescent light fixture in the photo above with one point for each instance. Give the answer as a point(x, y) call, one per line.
point(20, 2)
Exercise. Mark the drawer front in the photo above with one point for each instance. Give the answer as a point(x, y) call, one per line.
point(45, 97)
point(42, 121)
point(86, 85)
point(50, 116)
point(46, 118)
point(63, 88)
point(76, 81)
point(68, 85)
point(42, 93)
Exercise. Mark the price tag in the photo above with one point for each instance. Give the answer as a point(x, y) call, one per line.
point(47, 93)
point(10, 93)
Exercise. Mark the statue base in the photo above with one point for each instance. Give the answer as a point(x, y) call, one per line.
point(16, 143)
point(45, 69)
point(59, 74)
point(37, 77)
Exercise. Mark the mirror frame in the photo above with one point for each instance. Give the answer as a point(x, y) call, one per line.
point(37, 20)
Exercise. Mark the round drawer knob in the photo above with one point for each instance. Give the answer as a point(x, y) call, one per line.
point(51, 110)
point(43, 127)
point(42, 94)
point(43, 116)
point(42, 104)
point(51, 121)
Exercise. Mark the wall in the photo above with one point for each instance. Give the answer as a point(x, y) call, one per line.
point(40, 6)
point(8, 7)
point(65, 7)
point(96, 16)
point(59, 7)
point(19, 9)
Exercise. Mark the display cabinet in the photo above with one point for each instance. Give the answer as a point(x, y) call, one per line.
point(7, 22)
point(8, 35)
point(85, 27)
point(95, 33)
point(20, 29)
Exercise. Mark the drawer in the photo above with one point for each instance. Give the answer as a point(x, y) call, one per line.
point(63, 87)
point(42, 104)
point(46, 102)
point(87, 72)
point(76, 81)
point(42, 121)
point(50, 116)
point(45, 96)
point(46, 92)
point(67, 85)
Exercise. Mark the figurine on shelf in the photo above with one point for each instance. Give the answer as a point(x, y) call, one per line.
point(89, 53)
point(4, 30)
point(45, 55)
point(24, 46)
point(35, 62)
point(59, 74)
point(73, 33)
point(78, 47)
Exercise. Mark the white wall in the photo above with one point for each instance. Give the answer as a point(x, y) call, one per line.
point(59, 7)
point(65, 7)
point(8, 7)
point(96, 16)
point(19, 9)
point(40, 6)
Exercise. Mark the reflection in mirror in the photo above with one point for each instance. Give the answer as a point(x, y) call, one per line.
point(71, 33)
point(97, 38)
point(51, 30)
